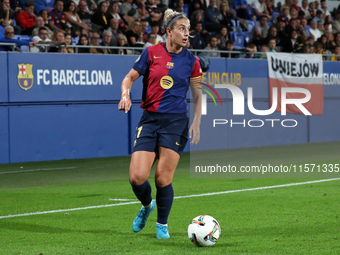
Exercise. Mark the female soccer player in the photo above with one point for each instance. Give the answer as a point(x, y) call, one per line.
point(168, 69)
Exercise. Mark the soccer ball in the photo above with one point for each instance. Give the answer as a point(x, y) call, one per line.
point(204, 230)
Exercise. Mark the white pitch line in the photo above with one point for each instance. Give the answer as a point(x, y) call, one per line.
point(37, 170)
point(178, 197)
point(257, 188)
point(68, 210)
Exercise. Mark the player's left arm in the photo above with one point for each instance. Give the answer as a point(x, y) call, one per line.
point(194, 131)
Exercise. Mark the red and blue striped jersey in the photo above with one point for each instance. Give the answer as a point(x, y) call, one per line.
point(166, 78)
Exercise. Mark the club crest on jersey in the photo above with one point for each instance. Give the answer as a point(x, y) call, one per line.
point(166, 82)
point(169, 65)
point(25, 76)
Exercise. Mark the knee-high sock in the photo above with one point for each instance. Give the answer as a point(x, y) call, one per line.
point(164, 199)
point(143, 192)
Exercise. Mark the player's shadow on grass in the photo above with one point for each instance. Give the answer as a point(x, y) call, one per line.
point(173, 241)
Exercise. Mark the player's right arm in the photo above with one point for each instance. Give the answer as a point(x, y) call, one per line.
point(125, 101)
point(139, 68)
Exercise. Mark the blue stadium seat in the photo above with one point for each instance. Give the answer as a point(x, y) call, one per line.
point(186, 9)
point(26, 37)
point(231, 35)
point(238, 39)
point(24, 48)
point(23, 37)
point(233, 22)
point(251, 24)
point(236, 24)
point(2, 31)
point(277, 14)
point(246, 38)
point(50, 4)
point(75, 40)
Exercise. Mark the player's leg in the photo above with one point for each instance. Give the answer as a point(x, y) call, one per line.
point(140, 167)
point(143, 157)
point(167, 163)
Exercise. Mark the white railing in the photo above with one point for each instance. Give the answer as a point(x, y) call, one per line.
point(138, 50)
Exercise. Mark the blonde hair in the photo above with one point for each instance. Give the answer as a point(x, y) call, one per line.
point(55, 34)
point(123, 37)
point(224, 2)
point(131, 25)
point(170, 17)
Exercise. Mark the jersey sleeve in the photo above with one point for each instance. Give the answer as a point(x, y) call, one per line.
point(142, 62)
point(196, 69)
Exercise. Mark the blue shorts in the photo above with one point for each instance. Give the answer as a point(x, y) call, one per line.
point(169, 130)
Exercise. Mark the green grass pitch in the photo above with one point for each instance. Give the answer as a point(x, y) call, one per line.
point(93, 218)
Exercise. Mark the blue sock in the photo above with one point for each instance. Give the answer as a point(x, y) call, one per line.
point(164, 199)
point(143, 192)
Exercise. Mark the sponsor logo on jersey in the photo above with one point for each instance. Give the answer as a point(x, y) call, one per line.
point(166, 82)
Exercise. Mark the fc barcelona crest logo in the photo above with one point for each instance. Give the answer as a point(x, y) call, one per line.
point(169, 65)
point(25, 76)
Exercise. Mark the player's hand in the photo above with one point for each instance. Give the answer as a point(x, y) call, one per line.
point(125, 103)
point(194, 134)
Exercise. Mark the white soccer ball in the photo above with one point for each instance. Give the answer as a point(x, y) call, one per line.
point(204, 230)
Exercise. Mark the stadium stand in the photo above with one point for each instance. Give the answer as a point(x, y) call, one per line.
point(238, 32)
